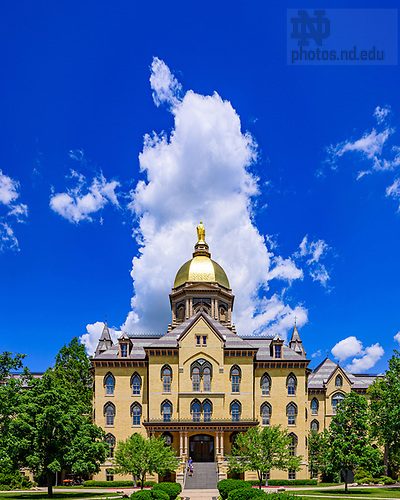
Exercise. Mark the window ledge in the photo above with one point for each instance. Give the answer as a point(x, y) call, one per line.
point(140, 425)
point(266, 395)
point(135, 395)
point(109, 395)
point(109, 426)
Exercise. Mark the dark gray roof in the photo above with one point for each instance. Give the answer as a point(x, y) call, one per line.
point(325, 370)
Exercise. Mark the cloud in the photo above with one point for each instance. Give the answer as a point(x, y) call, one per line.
point(316, 354)
point(364, 358)
point(312, 252)
point(397, 337)
point(94, 331)
point(10, 212)
point(81, 202)
point(347, 348)
point(202, 170)
point(373, 149)
point(372, 355)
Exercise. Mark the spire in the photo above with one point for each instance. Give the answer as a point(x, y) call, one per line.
point(295, 342)
point(201, 247)
point(105, 341)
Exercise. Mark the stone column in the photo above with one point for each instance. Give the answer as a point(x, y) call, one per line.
point(222, 444)
point(186, 451)
point(187, 308)
point(217, 442)
point(181, 443)
point(190, 307)
point(174, 314)
point(229, 314)
point(212, 308)
point(216, 308)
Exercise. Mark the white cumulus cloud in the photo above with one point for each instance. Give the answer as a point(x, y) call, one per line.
point(202, 171)
point(83, 201)
point(313, 252)
point(91, 338)
point(10, 212)
point(363, 359)
point(397, 337)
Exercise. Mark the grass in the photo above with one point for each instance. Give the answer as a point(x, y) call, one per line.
point(393, 492)
point(39, 495)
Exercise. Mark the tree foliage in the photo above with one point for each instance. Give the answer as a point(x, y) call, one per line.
point(262, 450)
point(139, 456)
point(385, 412)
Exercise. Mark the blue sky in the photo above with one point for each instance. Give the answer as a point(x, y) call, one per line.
point(293, 170)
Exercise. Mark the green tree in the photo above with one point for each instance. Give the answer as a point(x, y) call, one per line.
point(262, 450)
point(139, 456)
point(10, 362)
point(349, 440)
point(318, 451)
point(385, 412)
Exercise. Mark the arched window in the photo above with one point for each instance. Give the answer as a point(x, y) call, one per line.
point(168, 438)
point(338, 381)
point(266, 413)
point(207, 409)
point(109, 383)
point(109, 412)
point(314, 407)
point(136, 411)
point(196, 379)
point(265, 384)
point(196, 410)
point(235, 378)
point(293, 445)
point(206, 379)
point(236, 409)
point(181, 312)
point(110, 440)
point(291, 383)
point(135, 383)
point(336, 400)
point(166, 375)
point(166, 410)
point(315, 425)
point(291, 412)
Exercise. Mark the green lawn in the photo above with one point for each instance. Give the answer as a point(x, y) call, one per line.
point(393, 492)
point(36, 495)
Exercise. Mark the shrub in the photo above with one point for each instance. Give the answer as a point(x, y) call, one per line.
point(227, 485)
point(141, 495)
point(117, 484)
point(172, 489)
point(246, 494)
point(387, 480)
point(159, 494)
point(14, 481)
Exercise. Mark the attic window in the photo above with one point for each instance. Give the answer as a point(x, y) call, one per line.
point(124, 350)
point(204, 339)
point(338, 381)
point(278, 351)
point(198, 340)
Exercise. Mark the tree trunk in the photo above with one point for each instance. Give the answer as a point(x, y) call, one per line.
point(345, 481)
point(386, 460)
point(143, 476)
point(49, 484)
point(135, 480)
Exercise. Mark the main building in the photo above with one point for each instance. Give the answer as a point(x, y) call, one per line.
point(202, 383)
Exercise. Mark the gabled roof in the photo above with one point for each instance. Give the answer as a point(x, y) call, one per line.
point(325, 371)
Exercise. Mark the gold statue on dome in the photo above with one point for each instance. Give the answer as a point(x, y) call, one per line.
point(201, 233)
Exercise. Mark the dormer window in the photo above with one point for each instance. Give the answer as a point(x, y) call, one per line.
point(124, 350)
point(278, 351)
point(338, 381)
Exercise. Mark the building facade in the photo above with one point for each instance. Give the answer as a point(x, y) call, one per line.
point(202, 383)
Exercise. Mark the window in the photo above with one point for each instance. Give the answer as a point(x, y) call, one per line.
point(314, 407)
point(110, 440)
point(207, 379)
point(204, 339)
point(135, 384)
point(278, 351)
point(338, 381)
point(109, 476)
point(235, 411)
point(196, 412)
point(235, 378)
point(166, 411)
point(136, 411)
point(265, 413)
point(265, 476)
point(110, 385)
point(315, 426)
point(207, 412)
point(336, 400)
point(124, 350)
point(166, 378)
point(292, 474)
point(291, 412)
point(265, 384)
point(293, 445)
point(291, 385)
point(196, 379)
point(168, 438)
point(198, 340)
point(109, 411)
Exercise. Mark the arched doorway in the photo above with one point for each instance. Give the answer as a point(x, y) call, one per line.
point(201, 448)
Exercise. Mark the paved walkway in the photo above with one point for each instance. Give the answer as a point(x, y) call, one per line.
point(204, 477)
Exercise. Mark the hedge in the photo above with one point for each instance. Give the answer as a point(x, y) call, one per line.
point(172, 489)
point(117, 484)
point(227, 485)
point(286, 482)
point(247, 494)
point(152, 494)
point(141, 495)
point(157, 494)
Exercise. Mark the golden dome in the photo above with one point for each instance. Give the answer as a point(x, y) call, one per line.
point(201, 267)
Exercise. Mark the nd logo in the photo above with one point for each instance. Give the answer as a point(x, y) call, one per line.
point(306, 28)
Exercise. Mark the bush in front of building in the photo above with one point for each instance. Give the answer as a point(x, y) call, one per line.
point(172, 489)
point(286, 482)
point(225, 486)
point(14, 481)
point(152, 494)
point(247, 494)
point(117, 484)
